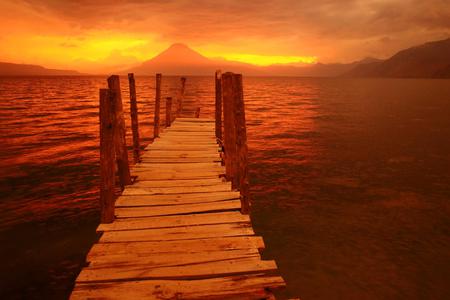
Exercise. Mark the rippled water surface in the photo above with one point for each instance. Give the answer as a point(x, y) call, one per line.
point(350, 181)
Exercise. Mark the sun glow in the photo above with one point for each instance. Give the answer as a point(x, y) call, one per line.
point(267, 60)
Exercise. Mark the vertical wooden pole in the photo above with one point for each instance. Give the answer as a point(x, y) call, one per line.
point(157, 106)
point(228, 98)
point(107, 155)
point(120, 144)
point(134, 118)
point(241, 143)
point(181, 96)
point(168, 111)
point(197, 112)
point(218, 104)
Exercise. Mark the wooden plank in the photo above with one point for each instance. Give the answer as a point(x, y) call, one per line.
point(186, 166)
point(181, 160)
point(187, 271)
point(174, 247)
point(175, 154)
point(191, 136)
point(151, 175)
point(175, 147)
point(168, 259)
point(193, 129)
point(144, 211)
point(219, 187)
point(250, 287)
point(178, 233)
point(195, 120)
point(175, 199)
point(175, 168)
point(175, 221)
point(181, 152)
point(177, 183)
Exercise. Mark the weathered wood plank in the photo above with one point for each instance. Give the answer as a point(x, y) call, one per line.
point(180, 147)
point(174, 247)
point(175, 221)
point(176, 168)
point(179, 233)
point(181, 160)
point(174, 154)
point(188, 271)
point(219, 187)
point(168, 259)
point(175, 199)
point(195, 120)
point(250, 287)
point(181, 166)
point(143, 175)
point(176, 190)
point(177, 183)
point(131, 212)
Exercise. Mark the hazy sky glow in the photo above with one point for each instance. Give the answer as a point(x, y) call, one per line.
point(86, 35)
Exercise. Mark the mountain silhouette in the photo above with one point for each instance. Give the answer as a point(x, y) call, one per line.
point(429, 60)
point(10, 69)
point(179, 59)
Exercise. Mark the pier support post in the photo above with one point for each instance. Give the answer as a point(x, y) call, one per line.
point(107, 155)
point(180, 97)
point(157, 106)
point(197, 112)
point(168, 111)
point(120, 144)
point(241, 143)
point(218, 84)
point(134, 118)
point(228, 99)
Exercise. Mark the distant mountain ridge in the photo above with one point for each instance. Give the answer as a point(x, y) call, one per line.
point(429, 60)
point(11, 69)
point(179, 59)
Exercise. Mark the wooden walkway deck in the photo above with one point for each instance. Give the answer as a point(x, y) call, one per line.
point(178, 231)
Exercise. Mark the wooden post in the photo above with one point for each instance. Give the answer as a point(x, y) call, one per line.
point(241, 143)
point(120, 144)
point(229, 128)
point(134, 118)
point(107, 155)
point(218, 104)
point(157, 106)
point(181, 96)
point(168, 111)
point(197, 112)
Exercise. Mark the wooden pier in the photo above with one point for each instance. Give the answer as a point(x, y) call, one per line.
point(180, 228)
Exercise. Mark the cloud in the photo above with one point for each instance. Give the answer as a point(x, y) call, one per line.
point(331, 30)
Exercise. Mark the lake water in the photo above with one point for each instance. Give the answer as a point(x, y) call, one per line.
point(350, 181)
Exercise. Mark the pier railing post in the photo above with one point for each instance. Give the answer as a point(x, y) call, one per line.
point(157, 106)
point(241, 143)
point(180, 97)
point(120, 144)
point(229, 127)
point(218, 84)
point(107, 155)
point(168, 111)
point(134, 118)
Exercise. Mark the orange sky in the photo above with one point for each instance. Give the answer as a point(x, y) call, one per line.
point(93, 35)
